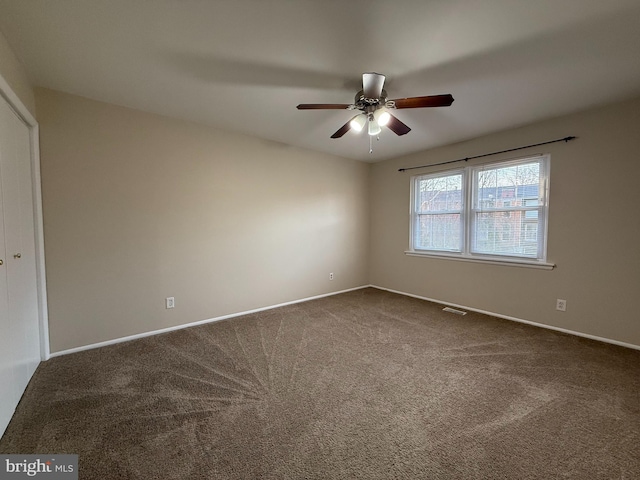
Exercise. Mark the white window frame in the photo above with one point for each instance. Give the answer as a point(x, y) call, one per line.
point(462, 212)
point(469, 252)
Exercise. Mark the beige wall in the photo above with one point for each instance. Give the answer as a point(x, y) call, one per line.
point(594, 229)
point(139, 207)
point(15, 75)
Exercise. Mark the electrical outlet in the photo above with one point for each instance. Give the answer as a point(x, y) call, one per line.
point(170, 302)
point(331, 276)
point(561, 305)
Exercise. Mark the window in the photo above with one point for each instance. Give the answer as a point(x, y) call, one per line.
point(438, 212)
point(496, 211)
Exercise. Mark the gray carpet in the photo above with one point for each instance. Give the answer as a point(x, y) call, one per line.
point(366, 384)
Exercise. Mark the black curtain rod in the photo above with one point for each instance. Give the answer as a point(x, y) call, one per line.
point(565, 139)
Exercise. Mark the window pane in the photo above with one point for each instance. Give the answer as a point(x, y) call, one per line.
point(439, 194)
point(438, 213)
point(505, 233)
point(438, 232)
point(501, 227)
point(508, 186)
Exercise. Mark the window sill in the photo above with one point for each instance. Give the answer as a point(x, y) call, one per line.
point(510, 262)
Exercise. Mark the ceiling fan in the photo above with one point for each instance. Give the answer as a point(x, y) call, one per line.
point(374, 107)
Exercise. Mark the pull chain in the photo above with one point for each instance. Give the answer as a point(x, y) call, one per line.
point(371, 141)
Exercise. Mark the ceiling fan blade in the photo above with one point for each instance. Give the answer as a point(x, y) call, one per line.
point(397, 127)
point(343, 129)
point(421, 102)
point(323, 106)
point(372, 84)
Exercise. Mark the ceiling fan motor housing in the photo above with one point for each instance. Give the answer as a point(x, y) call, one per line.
point(369, 105)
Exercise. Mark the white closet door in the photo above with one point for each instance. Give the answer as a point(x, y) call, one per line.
point(7, 392)
point(20, 327)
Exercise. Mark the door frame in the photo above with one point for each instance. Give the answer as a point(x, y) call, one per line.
point(36, 192)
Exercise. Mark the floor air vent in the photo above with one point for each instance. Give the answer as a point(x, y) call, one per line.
point(453, 310)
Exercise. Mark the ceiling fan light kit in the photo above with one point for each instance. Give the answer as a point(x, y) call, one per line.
point(382, 116)
point(372, 102)
point(357, 123)
point(374, 128)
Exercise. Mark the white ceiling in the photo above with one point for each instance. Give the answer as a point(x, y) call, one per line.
point(244, 65)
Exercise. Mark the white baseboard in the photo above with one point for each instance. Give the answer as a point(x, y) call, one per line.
point(195, 324)
point(514, 319)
